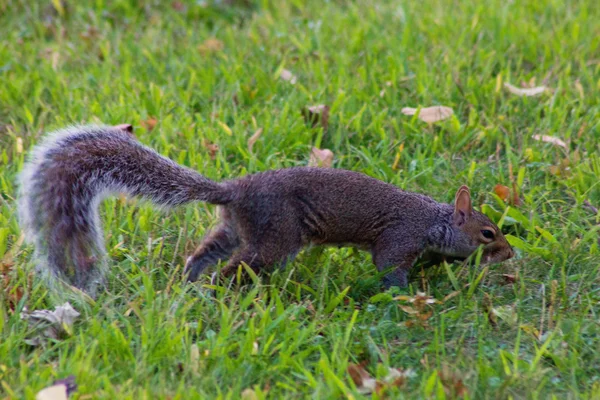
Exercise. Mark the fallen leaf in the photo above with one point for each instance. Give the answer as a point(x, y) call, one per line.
point(509, 279)
point(452, 382)
point(317, 114)
point(550, 139)
point(408, 310)
point(525, 91)
point(430, 114)
point(47, 324)
point(365, 384)
point(254, 138)
point(320, 158)
point(502, 191)
point(149, 124)
point(56, 392)
point(211, 45)
point(69, 382)
point(451, 295)
point(212, 148)
point(287, 76)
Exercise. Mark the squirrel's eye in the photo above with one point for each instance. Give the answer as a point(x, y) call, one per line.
point(487, 234)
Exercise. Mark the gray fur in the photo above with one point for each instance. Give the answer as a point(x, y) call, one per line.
point(266, 218)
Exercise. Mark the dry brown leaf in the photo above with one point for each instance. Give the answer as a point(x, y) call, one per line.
point(509, 278)
point(365, 384)
point(149, 124)
point(451, 296)
point(211, 45)
point(287, 76)
point(320, 158)
point(502, 191)
point(452, 382)
point(534, 91)
point(550, 139)
point(408, 310)
point(317, 114)
point(212, 148)
point(430, 114)
point(254, 138)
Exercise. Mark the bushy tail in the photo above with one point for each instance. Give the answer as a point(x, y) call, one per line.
point(66, 177)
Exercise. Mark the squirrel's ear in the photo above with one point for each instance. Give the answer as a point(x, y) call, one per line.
point(462, 205)
point(125, 128)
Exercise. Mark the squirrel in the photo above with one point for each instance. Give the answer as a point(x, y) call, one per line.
point(265, 218)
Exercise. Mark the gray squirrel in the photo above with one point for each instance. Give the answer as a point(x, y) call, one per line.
point(265, 218)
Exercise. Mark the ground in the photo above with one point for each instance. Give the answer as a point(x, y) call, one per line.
point(198, 79)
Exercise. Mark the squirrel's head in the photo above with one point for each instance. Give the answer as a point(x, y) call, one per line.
point(473, 229)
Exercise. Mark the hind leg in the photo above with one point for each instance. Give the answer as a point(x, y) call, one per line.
point(218, 245)
point(260, 257)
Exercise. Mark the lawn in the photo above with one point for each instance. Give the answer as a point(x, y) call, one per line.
point(198, 80)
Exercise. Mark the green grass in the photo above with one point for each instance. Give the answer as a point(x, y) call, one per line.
point(293, 334)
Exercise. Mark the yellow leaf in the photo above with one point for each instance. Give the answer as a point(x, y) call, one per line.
point(225, 128)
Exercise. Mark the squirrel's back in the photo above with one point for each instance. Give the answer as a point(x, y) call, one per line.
point(330, 205)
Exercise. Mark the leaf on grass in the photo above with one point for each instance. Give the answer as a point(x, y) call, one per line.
point(211, 45)
point(254, 138)
point(502, 191)
point(317, 114)
point(408, 310)
point(366, 384)
point(509, 278)
point(550, 139)
point(149, 124)
point(451, 296)
point(46, 324)
point(60, 389)
point(534, 91)
point(56, 392)
point(212, 148)
point(320, 158)
point(287, 76)
point(452, 382)
point(430, 114)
